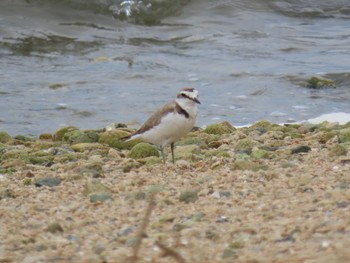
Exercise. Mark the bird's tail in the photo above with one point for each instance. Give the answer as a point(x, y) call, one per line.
point(126, 138)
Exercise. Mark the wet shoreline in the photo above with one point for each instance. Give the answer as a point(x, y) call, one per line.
point(74, 62)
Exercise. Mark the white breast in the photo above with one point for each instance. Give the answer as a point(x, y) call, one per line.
point(172, 127)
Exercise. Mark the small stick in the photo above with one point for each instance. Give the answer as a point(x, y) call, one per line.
point(170, 252)
point(142, 231)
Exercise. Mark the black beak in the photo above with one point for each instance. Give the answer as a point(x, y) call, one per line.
point(196, 101)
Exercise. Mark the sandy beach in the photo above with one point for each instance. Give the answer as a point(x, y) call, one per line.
point(264, 193)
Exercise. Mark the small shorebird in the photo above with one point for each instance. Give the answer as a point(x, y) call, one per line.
point(171, 122)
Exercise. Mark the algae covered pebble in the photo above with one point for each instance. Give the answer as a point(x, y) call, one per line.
point(320, 82)
point(78, 136)
point(58, 136)
point(4, 137)
point(189, 196)
point(114, 138)
point(246, 145)
point(143, 150)
point(219, 128)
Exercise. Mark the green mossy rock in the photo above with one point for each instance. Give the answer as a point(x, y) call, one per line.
point(143, 150)
point(24, 138)
point(320, 82)
point(4, 137)
point(58, 136)
point(344, 135)
point(39, 157)
point(78, 136)
point(42, 160)
point(114, 138)
point(13, 154)
point(246, 145)
point(260, 154)
point(261, 125)
point(219, 128)
point(46, 136)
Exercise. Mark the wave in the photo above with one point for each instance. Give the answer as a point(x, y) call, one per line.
point(148, 12)
point(313, 8)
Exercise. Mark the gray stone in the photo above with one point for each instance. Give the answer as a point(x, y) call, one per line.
point(50, 181)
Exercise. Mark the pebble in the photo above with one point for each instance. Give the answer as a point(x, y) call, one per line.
point(229, 253)
point(51, 182)
point(189, 196)
point(301, 149)
point(54, 228)
point(100, 197)
point(97, 192)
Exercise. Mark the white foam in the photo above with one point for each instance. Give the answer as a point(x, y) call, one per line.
point(340, 117)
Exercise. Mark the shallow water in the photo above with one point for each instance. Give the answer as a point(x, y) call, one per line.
point(90, 63)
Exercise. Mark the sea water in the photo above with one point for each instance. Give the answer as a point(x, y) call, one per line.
point(91, 63)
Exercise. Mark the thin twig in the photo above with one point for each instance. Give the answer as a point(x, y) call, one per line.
point(170, 252)
point(142, 230)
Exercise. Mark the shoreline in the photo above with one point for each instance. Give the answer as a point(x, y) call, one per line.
point(263, 193)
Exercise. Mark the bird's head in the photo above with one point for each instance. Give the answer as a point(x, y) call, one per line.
point(189, 93)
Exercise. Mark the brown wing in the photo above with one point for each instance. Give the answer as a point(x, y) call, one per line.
point(156, 117)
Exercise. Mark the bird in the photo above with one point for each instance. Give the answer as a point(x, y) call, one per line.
point(170, 122)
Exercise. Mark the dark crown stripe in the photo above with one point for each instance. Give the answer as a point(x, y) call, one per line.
point(184, 95)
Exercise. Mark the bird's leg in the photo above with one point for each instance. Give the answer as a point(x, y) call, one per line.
point(162, 151)
point(172, 151)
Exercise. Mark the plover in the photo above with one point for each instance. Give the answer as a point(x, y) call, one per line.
point(170, 122)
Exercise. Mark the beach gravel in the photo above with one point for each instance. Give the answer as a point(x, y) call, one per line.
point(265, 193)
